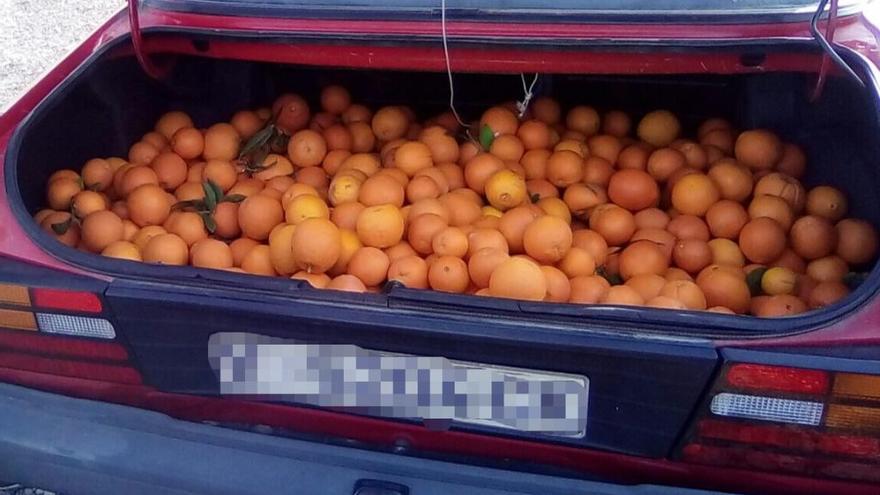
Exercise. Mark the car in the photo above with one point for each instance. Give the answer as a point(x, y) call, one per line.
point(129, 377)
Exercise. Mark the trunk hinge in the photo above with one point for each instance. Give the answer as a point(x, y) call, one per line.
point(137, 40)
point(825, 41)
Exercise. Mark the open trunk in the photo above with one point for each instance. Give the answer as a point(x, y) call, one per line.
point(643, 390)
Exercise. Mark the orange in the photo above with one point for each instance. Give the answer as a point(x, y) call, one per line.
point(605, 147)
point(636, 156)
point(444, 148)
point(780, 305)
point(291, 111)
point(148, 205)
point(555, 207)
point(188, 225)
point(356, 113)
point(450, 241)
point(723, 288)
point(588, 289)
point(783, 186)
point(534, 134)
point(772, 207)
point(575, 146)
point(582, 198)
point(190, 190)
point(188, 143)
point(513, 225)
point(564, 168)
point(337, 137)
point(220, 172)
point(726, 218)
point(247, 123)
point(87, 202)
point(824, 201)
point(422, 230)
point(100, 229)
point(827, 293)
point(275, 166)
point(281, 249)
point(170, 170)
point(321, 121)
point(857, 241)
point(647, 285)
point(813, 237)
point(121, 209)
point(547, 239)
point(661, 238)
point(362, 138)
point(226, 218)
point(479, 169)
point(365, 163)
point(316, 280)
point(505, 190)
point(422, 187)
point(390, 123)
point(411, 271)
point(789, 259)
point(122, 250)
point(347, 283)
point(317, 245)
point(651, 218)
point(726, 252)
point(380, 189)
point(171, 122)
point(641, 258)
point(685, 291)
point(688, 227)
point(615, 224)
point(137, 176)
point(778, 280)
point(659, 128)
point(695, 155)
point(194, 174)
point(211, 253)
point(762, 240)
point(240, 248)
point(71, 237)
point(380, 226)
point(622, 295)
point(663, 162)
point(258, 261)
point(221, 142)
point(97, 174)
point(463, 207)
point(345, 215)
point(540, 188)
point(535, 163)
point(307, 148)
point(333, 160)
point(370, 265)
point(558, 286)
point(142, 153)
point(145, 234)
point(576, 262)
point(500, 120)
point(758, 149)
point(348, 245)
point(483, 262)
point(507, 147)
point(518, 278)
point(633, 189)
point(448, 274)
point(258, 215)
point(583, 119)
point(694, 194)
point(166, 249)
point(692, 255)
point(828, 269)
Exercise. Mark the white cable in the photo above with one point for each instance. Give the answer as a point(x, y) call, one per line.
point(523, 105)
point(448, 65)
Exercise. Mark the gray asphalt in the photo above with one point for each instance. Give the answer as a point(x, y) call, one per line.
point(35, 34)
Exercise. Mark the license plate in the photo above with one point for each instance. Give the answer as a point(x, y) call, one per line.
point(376, 383)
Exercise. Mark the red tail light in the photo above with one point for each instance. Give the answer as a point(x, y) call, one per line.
point(44, 330)
point(791, 420)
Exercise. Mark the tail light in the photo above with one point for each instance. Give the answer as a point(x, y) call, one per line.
point(60, 332)
point(790, 420)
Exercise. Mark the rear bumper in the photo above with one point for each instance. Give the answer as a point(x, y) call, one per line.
point(79, 446)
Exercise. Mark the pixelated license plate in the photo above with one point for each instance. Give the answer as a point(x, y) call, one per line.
point(375, 383)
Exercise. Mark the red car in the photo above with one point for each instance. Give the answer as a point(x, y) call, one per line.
point(111, 371)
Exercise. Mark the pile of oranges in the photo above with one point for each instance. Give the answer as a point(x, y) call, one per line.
point(575, 208)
